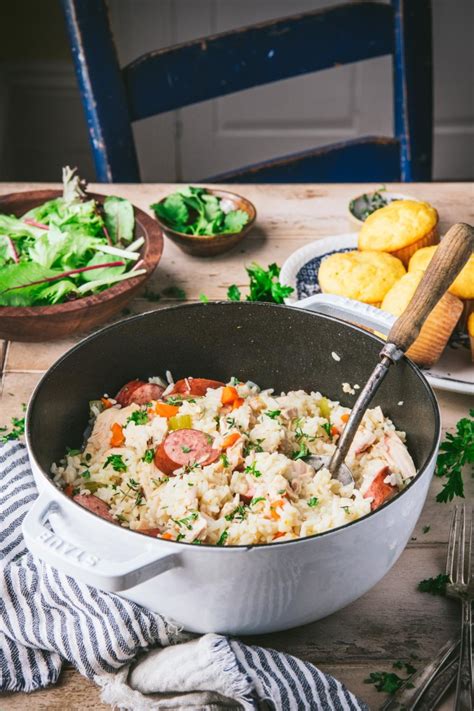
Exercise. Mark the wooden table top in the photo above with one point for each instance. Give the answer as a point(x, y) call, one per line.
point(393, 620)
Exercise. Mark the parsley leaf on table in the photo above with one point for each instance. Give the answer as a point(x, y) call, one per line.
point(456, 451)
point(18, 428)
point(434, 586)
point(264, 285)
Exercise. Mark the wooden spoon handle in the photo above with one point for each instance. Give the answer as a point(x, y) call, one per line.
point(452, 254)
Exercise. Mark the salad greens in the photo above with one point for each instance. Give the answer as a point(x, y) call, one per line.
point(66, 247)
point(195, 211)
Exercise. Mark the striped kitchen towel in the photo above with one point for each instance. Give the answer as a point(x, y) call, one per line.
point(140, 660)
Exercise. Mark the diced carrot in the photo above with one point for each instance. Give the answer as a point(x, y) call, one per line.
point(345, 417)
point(68, 490)
point(238, 403)
point(229, 395)
point(167, 536)
point(164, 410)
point(118, 437)
point(105, 402)
point(279, 535)
point(276, 504)
point(335, 431)
point(230, 440)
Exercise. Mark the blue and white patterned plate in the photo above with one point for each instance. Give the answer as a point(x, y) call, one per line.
point(454, 371)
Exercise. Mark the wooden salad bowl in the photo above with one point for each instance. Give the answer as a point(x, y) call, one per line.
point(46, 323)
point(212, 245)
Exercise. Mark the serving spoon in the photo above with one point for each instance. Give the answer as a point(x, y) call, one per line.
point(452, 254)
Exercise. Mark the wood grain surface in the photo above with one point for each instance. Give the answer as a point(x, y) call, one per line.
point(393, 620)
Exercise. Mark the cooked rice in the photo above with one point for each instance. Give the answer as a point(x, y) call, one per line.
point(201, 504)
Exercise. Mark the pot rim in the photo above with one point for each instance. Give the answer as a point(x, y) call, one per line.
point(260, 546)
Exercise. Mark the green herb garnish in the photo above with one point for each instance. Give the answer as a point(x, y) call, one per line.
point(302, 452)
point(223, 537)
point(434, 586)
point(174, 292)
point(313, 501)
point(86, 474)
point(272, 413)
point(18, 428)
point(252, 469)
point(264, 285)
point(388, 682)
point(426, 529)
point(237, 514)
point(139, 417)
point(186, 521)
point(256, 500)
point(456, 451)
point(116, 462)
point(149, 456)
point(225, 460)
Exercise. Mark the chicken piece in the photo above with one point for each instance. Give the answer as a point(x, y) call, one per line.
point(398, 455)
point(99, 440)
point(363, 440)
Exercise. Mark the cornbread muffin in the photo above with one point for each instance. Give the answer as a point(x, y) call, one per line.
point(462, 286)
point(400, 228)
point(470, 331)
point(439, 325)
point(364, 276)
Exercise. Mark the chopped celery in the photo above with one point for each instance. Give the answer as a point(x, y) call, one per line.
point(324, 408)
point(180, 422)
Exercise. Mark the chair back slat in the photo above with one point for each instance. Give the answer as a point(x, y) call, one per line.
point(364, 159)
point(195, 71)
point(102, 90)
point(413, 88)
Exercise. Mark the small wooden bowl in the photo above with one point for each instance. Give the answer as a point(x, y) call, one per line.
point(211, 245)
point(46, 323)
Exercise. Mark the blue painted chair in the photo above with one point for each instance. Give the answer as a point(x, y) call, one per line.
point(205, 68)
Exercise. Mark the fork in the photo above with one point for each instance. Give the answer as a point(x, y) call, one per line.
point(460, 585)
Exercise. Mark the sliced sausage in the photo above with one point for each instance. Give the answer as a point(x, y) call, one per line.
point(150, 531)
point(379, 490)
point(139, 392)
point(183, 447)
point(195, 386)
point(94, 504)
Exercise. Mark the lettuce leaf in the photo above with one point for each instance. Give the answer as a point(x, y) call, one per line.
point(119, 219)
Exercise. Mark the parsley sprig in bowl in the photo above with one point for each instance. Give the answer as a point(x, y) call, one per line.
point(203, 221)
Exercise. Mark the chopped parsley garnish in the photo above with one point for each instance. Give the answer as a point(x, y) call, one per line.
point(256, 500)
point(148, 456)
point(302, 452)
point(389, 682)
point(86, 474)
point(174, 292)
point(435, 586)
point(117, 463)
point(225, 460)
point(346, 509)
point(238, 514)
point(185, 449)
point(159, 482)
point(255, 446)
point(264, 285)
point(252, 469)
point(186, 521)
point(72, 452)
point(426, 529)
point(174, 400)
point(203, 298)
point(139, 417)
point(230, 421)
point(456, 451)
point(223, 537)
point(180, 537)
point(272, 413)
point(313, 501)
point(18, 428)
point(327, 428)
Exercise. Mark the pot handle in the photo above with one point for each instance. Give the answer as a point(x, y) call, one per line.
point(83, 564)
point(348, 310)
